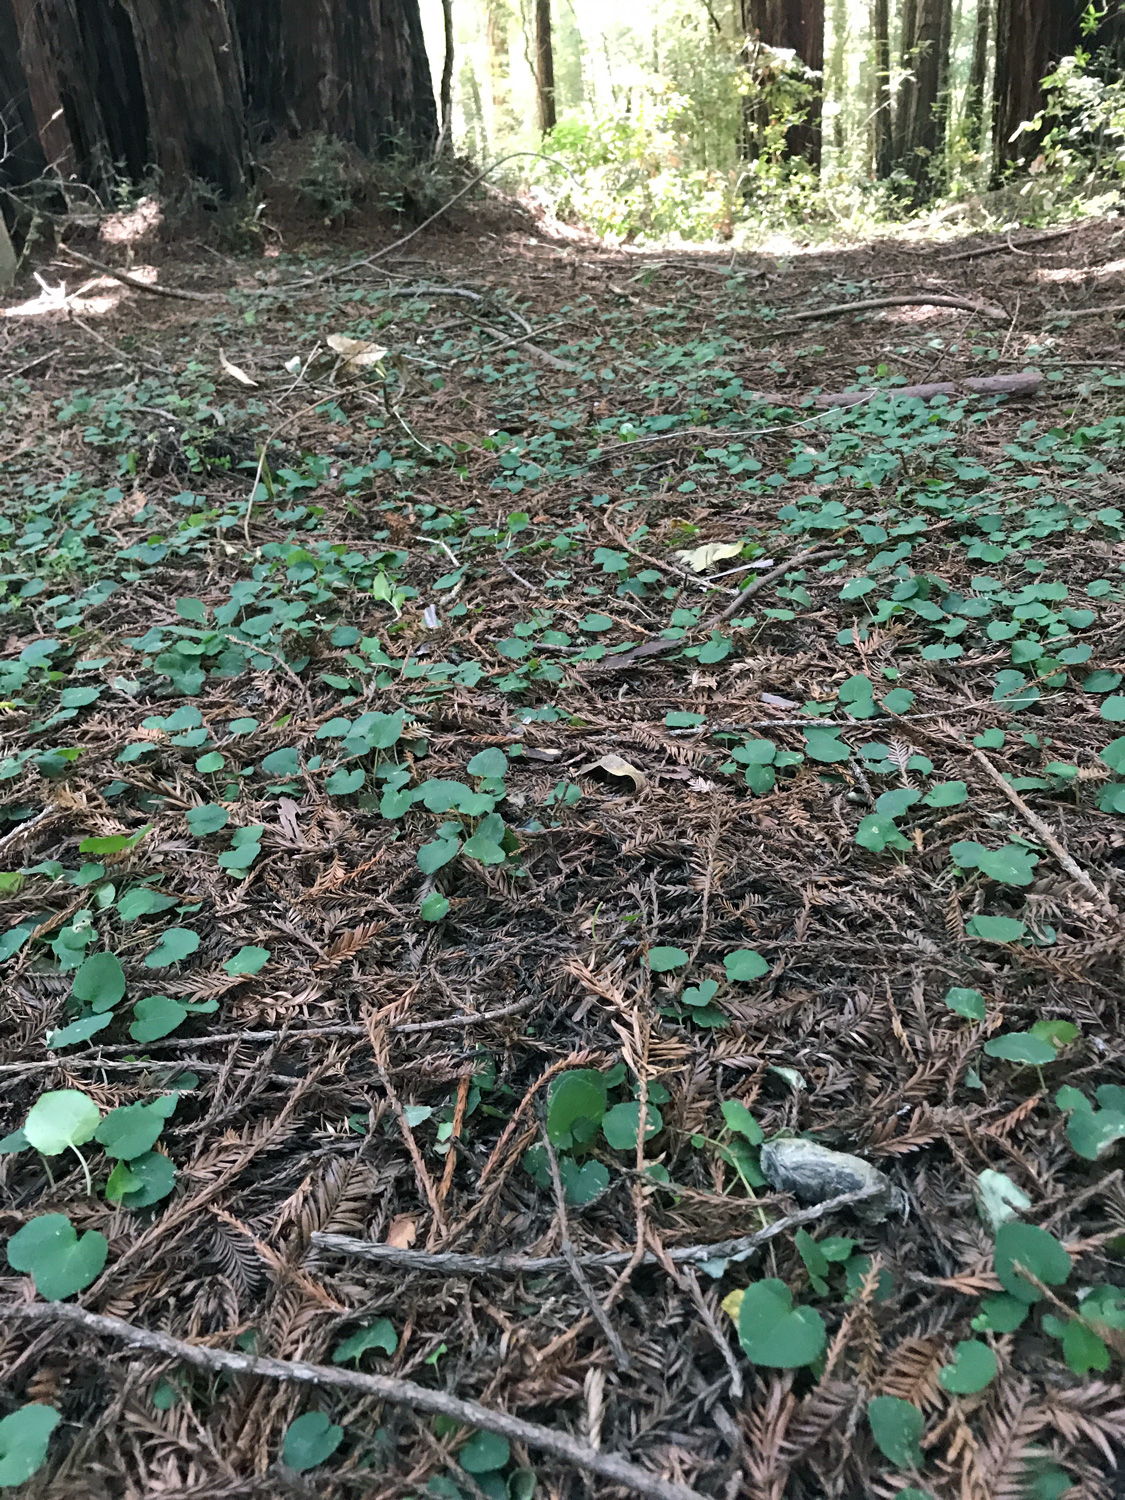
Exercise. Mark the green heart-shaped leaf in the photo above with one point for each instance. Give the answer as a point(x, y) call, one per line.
point(377, 1335)
point(1036, 1251)
point(24, 1435)
point(310, 1440)
point(61, 1263)
point(773, 1332)
point(897, 1428)
point(61, 1118)
point(974, 1366)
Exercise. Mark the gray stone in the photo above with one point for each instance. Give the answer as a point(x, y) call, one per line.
point(8, 261)
point(813, 1174)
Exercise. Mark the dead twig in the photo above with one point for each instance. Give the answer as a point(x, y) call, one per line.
point(613, 1338)
point(905, 299)
point(133, 281)
point(450, 1263)
point(1037, 825)
point(378, 1387)
point(1006, 244)
point(661, 648)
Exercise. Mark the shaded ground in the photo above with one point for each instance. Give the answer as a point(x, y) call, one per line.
point(471, 531)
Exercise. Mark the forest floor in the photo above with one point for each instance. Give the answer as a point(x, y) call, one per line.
point(393, 822)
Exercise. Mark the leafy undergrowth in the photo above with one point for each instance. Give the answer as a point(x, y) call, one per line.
point(402, 804)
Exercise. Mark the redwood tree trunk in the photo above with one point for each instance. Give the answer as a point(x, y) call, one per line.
point(882, 125)
point(904, 104)
point(544, 66)
point(1031, 36)
point(923, 133)
point(978, 68)
point(192, 76)
point(797, 26)
point(355, 69)
point(23, 158)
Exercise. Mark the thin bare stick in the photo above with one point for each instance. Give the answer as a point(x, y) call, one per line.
point(1005, 244)
point(661, 648)
point(1036, 823)
point(613, 1338)
point(1111, 308)
point(906, 299)
point(136, 283)
point(380, 1387)
point(451, 1263)
point(425, 1181)
point(14, 835)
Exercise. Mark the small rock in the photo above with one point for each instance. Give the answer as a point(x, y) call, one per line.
point(813, 1174)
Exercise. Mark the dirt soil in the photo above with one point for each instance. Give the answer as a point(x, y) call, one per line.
point(448, 531)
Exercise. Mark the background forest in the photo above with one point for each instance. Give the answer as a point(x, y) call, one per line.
point(705, 118)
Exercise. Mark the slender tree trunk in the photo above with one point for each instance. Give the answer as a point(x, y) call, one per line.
point(978, 68)
point(445, 97)
point(836, 79)
point(904, 105)
point(1031, 35)
point(796, 26)
point(499, 68)
point(544, 66)
point(882, 125)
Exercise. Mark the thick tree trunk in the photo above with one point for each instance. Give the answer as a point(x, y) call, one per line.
point(796, 26)
point(21, 155)
point(904, 104)
point(61, 87)
point(978, 68)
point(923, 136)
point(119, 88)
point(1031, 36)
point(355, 69)
point(882, 125)
point(544, 66)
point(192, 76)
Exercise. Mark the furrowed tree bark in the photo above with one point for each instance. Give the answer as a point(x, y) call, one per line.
point(191, 72)
point(1031, 36)
point(544, 66)
point(354, 69)
point(794, 26)
point(62, 90)
point(882, 122)
point(21, 155)
point(904, 102)
point(923, 144)
point(978, 68)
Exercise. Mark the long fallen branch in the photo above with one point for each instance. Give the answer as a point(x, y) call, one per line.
point(1008, 244)
point(135, 282)
point(1087, 312)
point(1023, 384)
point(903, 299)
point(382, 1387)
point(450, 1263)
